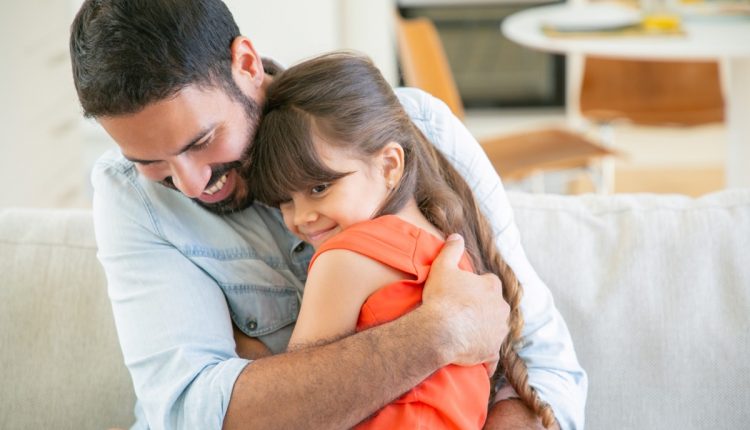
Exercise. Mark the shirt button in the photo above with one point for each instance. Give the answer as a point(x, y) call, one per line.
point(252, 325)
point(300, 247)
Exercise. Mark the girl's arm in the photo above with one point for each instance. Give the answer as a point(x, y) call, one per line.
point(337, 286)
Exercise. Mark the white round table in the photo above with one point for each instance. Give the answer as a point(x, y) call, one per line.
point(723, 39)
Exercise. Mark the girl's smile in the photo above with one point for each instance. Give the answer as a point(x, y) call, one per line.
point(317, 237)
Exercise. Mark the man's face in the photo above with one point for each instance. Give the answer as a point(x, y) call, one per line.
point(196, 142)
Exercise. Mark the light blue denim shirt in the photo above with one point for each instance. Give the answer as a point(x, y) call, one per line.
point(178, 275)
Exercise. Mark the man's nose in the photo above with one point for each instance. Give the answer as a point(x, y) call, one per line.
point(190, 178)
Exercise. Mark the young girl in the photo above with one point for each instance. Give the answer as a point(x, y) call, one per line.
point(354, 177)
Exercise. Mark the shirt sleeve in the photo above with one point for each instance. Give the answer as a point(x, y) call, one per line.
point(547, 347)
point(172, 319)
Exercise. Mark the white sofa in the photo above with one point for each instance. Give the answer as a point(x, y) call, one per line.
point(655, 290)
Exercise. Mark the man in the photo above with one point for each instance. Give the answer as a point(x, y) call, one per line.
point(190, 258)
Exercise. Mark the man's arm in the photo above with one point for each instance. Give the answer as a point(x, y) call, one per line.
point(172, 319)
point(342, 383)
point(553, 367)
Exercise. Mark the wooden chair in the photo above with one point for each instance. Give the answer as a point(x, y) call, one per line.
point(651, 92)
point(424, 65)
point(661, 93)
point(654, 93)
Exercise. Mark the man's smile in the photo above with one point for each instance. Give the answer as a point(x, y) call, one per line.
point(220, 189)
point(218, 185)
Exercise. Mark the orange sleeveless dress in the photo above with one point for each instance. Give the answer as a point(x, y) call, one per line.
point(454, 397)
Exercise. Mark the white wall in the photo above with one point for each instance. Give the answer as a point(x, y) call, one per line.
point(41, 152)
point(289, 30)
point(47, 149)
point(292, 30)
point(368, 26)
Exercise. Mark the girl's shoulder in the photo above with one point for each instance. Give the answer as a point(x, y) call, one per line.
point(352, 275)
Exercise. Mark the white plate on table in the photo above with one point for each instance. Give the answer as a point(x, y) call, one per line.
point(592, 17)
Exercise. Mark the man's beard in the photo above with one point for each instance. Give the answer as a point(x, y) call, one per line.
point(241, 198)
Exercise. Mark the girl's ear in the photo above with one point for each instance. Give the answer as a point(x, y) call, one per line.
point(392, 163)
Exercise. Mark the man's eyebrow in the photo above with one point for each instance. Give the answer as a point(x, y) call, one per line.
point(194, 141)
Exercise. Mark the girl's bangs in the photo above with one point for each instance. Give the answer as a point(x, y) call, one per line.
point(285, 159)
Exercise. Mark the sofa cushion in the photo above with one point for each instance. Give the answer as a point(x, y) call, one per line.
point(656, 293)
point(60, 362)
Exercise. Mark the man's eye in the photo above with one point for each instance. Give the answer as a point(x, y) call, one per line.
point(319, 188)
point(200, 146)
point(204, 143)
point(168, 182)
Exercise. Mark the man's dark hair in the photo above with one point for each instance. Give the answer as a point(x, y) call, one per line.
point(127, 54)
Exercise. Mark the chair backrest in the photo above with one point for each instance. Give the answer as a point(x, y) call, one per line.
point(424, 63)
point(652, 92)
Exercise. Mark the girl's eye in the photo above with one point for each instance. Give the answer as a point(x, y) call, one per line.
point(319, 188)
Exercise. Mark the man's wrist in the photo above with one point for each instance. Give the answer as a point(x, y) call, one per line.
point(432, 321)
point(505, 392)
point(512, 413)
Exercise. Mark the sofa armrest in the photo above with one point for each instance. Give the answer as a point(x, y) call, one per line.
point(60, 362)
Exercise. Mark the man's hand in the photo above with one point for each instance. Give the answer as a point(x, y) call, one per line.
point(247, 347)
point(470, 305)
point(513, 414)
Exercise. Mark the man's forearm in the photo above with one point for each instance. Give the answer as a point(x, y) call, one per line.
point(339, 384)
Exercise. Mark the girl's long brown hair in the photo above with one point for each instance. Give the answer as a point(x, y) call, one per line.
point(343, 97)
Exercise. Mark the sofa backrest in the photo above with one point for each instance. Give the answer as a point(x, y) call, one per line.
point(60, 362)
point(656, 294)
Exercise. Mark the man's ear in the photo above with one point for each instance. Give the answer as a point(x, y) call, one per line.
point(392, 163)
point(247, 66)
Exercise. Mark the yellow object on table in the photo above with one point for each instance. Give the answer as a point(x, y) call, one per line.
point(660, 15)
point(664, 21)
point(628, 31)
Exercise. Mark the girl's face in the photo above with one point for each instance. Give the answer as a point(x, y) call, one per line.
point(317, 214)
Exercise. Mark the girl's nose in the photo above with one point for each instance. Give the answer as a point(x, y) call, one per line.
point(304, 213)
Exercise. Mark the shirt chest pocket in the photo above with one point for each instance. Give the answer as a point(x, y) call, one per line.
point(263, 312)
point(259, 310)
point(263, 299)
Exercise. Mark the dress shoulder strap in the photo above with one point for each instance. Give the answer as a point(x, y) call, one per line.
point(386, 239)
